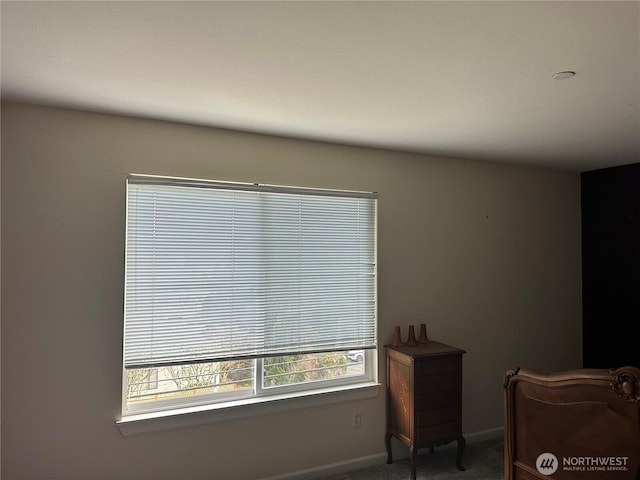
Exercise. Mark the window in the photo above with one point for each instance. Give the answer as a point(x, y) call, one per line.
point(242, 291)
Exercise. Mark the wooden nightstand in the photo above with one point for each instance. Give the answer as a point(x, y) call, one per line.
point(424, 398)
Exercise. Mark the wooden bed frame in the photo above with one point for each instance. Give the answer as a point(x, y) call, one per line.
point(574, 425)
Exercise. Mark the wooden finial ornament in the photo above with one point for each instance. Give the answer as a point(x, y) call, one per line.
point(411, 341)
point(397, 337)
point(423, 339)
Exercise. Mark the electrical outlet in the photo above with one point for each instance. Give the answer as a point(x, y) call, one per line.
point(356, 420)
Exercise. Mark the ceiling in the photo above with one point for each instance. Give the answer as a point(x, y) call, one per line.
point(457, 79)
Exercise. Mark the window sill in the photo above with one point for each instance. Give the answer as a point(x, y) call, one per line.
point(192, 416)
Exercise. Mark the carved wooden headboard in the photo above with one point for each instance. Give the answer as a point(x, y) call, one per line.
point(574, 425)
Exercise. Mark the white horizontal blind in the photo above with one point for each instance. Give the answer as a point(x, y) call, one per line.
point(218, 271)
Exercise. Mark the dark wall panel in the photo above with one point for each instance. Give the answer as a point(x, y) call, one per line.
point(611, 266)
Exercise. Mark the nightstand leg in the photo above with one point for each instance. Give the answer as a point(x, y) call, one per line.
point(412, 461)
point(387, 441)
point(461, 444)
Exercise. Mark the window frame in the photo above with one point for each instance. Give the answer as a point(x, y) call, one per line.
point(258, 393)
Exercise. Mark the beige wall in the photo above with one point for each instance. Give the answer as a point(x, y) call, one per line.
point(488, 255)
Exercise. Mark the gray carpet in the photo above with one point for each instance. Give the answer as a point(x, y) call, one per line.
point(483, 461)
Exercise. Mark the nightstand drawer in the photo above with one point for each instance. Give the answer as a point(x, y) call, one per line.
point(438, 416)
point(427, 400)
point(437, 381)
point(428, 366)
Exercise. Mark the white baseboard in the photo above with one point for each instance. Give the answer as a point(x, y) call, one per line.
point(400, 453)
point(334, 468)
